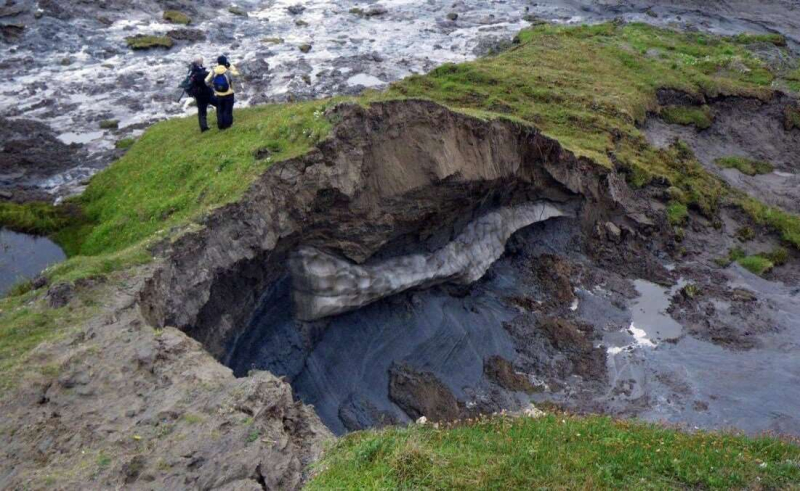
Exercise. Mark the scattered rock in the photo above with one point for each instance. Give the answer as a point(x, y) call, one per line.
point(109, 124)
point(452, 16)
point(11, 10)
point(12, 31)
point(502, 372)
point(375, 11)
point(59, 295)
point(189, 35)
point(305, 48)
point(613, 232)
point(296, 9)
point(421, 394)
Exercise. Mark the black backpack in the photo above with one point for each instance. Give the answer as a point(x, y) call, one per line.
point(188, 85)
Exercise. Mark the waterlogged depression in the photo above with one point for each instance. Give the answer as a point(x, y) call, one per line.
point(74, 72)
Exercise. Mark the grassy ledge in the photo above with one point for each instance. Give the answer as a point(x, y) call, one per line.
point(555, 452)
point(745, 165)
point(700, 117)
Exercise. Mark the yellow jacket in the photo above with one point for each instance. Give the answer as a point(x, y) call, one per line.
point(219, 70)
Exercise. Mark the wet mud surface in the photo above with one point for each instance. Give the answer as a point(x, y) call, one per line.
point(70, 67)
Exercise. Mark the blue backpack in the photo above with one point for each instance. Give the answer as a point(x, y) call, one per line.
point(221, 83)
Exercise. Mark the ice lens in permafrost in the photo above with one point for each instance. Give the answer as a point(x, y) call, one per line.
point(325, 285)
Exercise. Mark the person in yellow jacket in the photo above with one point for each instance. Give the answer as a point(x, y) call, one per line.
point(220, 79)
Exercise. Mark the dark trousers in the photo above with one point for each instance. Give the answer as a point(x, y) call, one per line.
point(202, 110)
point(224, 111)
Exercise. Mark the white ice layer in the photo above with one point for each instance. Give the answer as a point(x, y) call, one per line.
point(325, 285)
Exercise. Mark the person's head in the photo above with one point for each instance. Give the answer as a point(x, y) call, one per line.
point(223, 60)
point(198, 61)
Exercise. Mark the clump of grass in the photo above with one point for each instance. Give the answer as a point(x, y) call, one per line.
point(756, 264)
point(700, 117)
point(20, 288)
point(176, 17)
point(785, 224)
point(779, 256)
point(272, 40)
point(142, 42)
point(554, 452)
point(745, 234)
point(677, 213)
point(125, 143)
point(237, 11)
point(776, 39)
point(253, 435)
point(791, 117)
point(745, 165)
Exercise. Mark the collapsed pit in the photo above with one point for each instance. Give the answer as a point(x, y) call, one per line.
point(400, 187)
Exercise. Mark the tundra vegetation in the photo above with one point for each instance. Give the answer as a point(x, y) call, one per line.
point(589, 87)
point(554, 452)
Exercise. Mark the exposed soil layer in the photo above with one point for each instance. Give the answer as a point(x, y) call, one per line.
point(399, 173)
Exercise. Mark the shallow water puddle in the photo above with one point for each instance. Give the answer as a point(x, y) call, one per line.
point(650, 323)
point(24, 256)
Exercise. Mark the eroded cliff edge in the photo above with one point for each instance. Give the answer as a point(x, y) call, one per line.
point(392, 175)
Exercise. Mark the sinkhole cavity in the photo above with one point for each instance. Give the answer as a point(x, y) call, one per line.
point(397, 337)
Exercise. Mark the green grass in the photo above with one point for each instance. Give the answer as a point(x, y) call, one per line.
point(555, 452)
point(162, 182)
point(745, 165)
point(35, 217)
point(677, 213)
point(148, 42)
point(776, 39)
point(785, 224)
point(176, 17)
point(25, 322)
point(700, 117)
point(125, 143)
point(756, 264)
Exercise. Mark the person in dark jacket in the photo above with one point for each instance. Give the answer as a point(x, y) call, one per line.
point(202, 93)
point(221, 79)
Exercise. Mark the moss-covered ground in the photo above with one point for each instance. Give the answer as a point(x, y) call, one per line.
point(555, 452)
